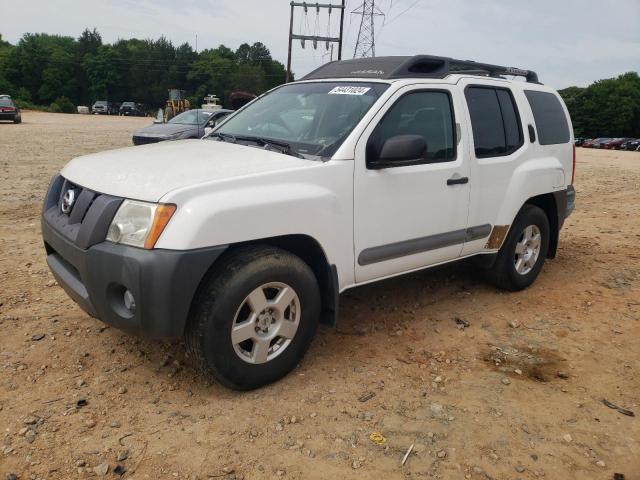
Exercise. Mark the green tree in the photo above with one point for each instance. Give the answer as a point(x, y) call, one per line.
point(606, 108)
point(103, 77)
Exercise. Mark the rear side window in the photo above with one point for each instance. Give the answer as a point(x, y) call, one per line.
point(494, 120)
point(550, 118)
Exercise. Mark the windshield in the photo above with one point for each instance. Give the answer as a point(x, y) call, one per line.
point(5, 102)
point(100, 102)
point(314, 118)
point(191, 117)
point(128, 104)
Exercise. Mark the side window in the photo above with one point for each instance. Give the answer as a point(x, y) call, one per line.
point(512, 129)
point(494, 120)
point(549, 116)
point(425, 113)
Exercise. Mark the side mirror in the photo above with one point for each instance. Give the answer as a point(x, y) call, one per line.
point(398, 150)
point(207, 130)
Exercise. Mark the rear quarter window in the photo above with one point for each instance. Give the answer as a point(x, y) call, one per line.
point(550, 118)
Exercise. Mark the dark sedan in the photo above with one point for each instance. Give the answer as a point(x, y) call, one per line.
point(632, 144)
point(189, 124)
point(9, 110)
point(131, 109)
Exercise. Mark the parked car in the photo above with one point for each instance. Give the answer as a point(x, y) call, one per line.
point(631, 144)
point(368, 168)
point(189, 124)
point(131, 109)
point(104, 107)
point(594, 143)
point(579, 141)
point(9, 110)
point(614, 143)
point(601, 142)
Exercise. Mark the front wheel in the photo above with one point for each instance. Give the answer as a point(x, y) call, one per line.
point(255, 318)
point(524, 251)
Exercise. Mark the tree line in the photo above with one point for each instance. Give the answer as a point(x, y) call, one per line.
point(606, 108)
point(62, 72)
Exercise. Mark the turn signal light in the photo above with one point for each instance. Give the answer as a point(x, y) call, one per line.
point(161, 218)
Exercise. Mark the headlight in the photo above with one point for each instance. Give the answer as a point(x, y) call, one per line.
point(139, 224)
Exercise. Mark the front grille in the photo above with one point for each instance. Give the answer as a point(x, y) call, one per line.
point(88, 220)
point(138, 140)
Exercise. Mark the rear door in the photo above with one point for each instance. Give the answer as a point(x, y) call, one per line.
point(497, 149)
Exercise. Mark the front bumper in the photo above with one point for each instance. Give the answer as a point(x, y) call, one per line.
point(143, 140)
point(162, 282)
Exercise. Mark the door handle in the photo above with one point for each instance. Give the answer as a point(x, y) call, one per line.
point(457, 180)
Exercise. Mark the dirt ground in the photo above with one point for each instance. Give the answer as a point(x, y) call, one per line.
point(515, 394)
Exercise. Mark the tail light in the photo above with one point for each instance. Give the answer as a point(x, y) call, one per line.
point(573, 172)
point(8, 109)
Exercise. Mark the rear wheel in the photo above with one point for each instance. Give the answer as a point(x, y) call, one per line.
point(17, 119)
point(255, 318)
point(524, 251)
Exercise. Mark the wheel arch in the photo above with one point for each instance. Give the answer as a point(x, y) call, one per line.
point(548, 203)
point(311, 252)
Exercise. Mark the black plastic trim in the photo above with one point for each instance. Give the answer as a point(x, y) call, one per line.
point(422, 244)
point(163, 282)
point(417, 66)
point(565, 203)
point(331, 302)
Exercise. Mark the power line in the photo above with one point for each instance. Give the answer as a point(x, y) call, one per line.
point(366, 43)
point(403, 12)
point(315, 38)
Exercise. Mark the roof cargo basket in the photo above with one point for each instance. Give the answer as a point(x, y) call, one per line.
point(418, 66)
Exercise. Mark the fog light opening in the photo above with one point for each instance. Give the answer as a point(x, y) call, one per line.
point(129, 302)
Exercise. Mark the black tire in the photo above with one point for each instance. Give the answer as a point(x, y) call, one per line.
point(503, 273)
point(208, 335)
point(17, 119)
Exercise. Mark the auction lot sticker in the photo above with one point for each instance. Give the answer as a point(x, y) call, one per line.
point(349, 90)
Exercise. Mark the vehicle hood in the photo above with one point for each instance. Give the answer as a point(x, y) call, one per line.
point(165, 129)
point(148, 172)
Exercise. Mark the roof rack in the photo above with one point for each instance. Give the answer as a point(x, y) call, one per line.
point(418, 66)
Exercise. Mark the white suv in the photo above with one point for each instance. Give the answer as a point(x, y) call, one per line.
point(365, 169)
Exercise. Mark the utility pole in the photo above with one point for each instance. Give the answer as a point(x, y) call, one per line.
point(314, 38)
point(366, 44)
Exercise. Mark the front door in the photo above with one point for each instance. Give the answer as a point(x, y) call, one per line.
point(412, 214)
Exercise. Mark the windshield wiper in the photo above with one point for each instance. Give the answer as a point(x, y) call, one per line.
point(224, 136)
point(268, 143)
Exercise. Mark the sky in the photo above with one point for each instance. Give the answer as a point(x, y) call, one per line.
point(568, 42)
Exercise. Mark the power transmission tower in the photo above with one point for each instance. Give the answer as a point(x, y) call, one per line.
point(366, 43)
point(315, 38)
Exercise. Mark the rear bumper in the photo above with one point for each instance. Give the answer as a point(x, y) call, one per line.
point(8, 116)
point(571, 201)
point(163, 282)
point(565, 203)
